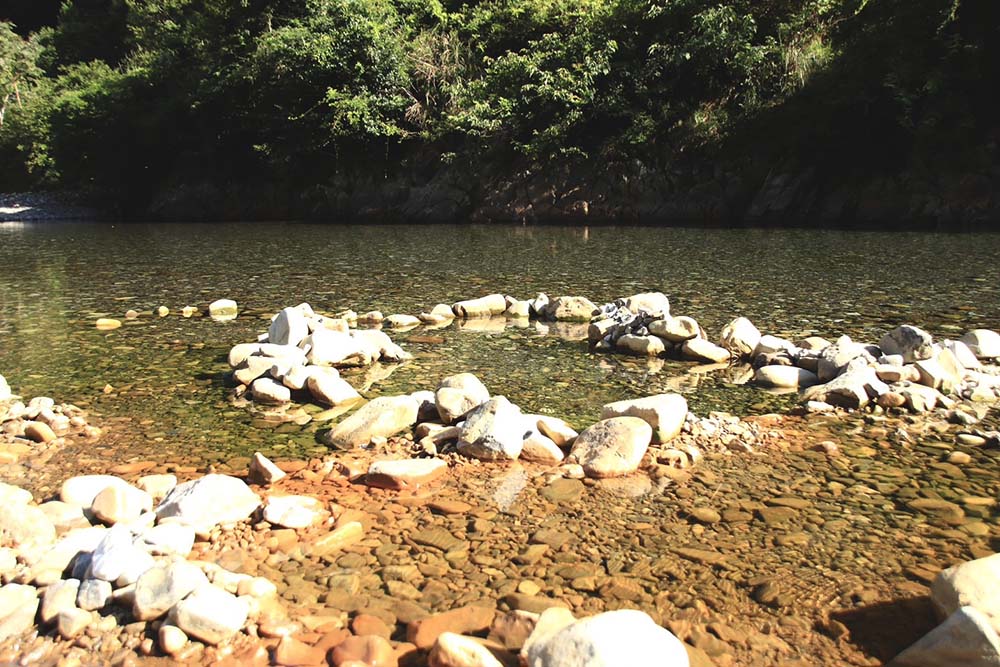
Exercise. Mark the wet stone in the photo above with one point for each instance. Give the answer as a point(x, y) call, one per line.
point(563, 490)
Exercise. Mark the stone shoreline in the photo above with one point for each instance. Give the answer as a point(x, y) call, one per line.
point(126, 569)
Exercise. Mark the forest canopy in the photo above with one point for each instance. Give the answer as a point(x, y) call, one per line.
point(127, 96)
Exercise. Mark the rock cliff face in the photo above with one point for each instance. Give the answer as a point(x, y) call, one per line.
point(784, 195)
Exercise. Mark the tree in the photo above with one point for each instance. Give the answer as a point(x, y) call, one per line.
point(18, 68)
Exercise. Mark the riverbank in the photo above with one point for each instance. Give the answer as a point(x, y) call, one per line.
point(807, 546)
point(44, 206)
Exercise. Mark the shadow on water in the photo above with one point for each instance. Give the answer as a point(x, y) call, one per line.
point(885, 629)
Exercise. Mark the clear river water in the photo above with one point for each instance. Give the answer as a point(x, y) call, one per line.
point(166, 377)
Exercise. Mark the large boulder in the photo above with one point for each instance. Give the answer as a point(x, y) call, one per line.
point(841, 356)
point(675, 329)
point(493, 431)
point(850, 390)
point(485, 306)
point(665, 413)
point(984, 343)
point(699, 349)
point(908, 341)
point(975, 583)
point(457, 394)
point(651, 303)
point(288, 327)
point(569, 308)
point(331, 389)
point(965, 638)
point(612, 639)
point(333, 348)
point(161, 587)
point(209, 501)
point(643, 346)
point(383, 417)
point(740, 337)
point(784, 377)
point(612, 447)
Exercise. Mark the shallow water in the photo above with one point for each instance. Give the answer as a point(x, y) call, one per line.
point(58, 278)
point(852, 550)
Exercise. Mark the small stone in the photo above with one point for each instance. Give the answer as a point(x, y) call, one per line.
point(365, 650)
point(72, 622)
point(39, 432)
point(208, 501)
point(493, 431)
point(293, 653)
point(294, 512)
point(705, 515)
point(121, 503)
point(665, 413)
point(699, 349)
point(263, 471)
point(107, 323)
point(93, 594)
point(59, 596)
point(784, 377)
point(223, 310)
point(210, 614)
point(470, 619)
point(404, 473)
point(984, 343)
point(331, 390)
point(171, 639)
point(457, 394)
point(454, 650)
point(337, 539)
point(18, 606)
point(162, 311)
point(964, 638)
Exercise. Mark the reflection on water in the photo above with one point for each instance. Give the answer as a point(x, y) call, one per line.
point(57, 278)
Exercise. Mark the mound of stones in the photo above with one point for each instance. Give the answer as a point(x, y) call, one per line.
point(41, 424)
point(966, 598)
point(107, 549)
point(643, 325)
point(461, 415)
point(301, 353)
point(907, 369)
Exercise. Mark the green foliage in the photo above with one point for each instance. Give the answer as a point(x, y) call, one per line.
point(142, 93)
